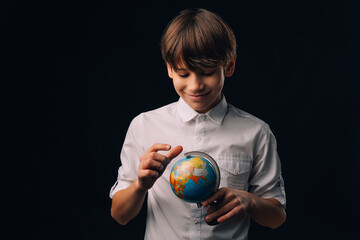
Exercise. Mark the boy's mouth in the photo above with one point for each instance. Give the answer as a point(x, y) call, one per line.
point(198, 97)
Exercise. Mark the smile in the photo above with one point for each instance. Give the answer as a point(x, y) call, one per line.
point(198, 97)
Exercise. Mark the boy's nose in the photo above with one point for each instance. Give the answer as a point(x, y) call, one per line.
point(195, 84)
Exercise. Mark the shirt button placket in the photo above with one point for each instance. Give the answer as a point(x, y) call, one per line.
point(199, 136)
point(200, 132)
point(195, 222)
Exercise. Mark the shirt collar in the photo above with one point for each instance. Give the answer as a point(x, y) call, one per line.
point(216, 114)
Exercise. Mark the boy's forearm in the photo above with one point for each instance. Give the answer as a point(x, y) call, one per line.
point(267, 212)
point(127, 203)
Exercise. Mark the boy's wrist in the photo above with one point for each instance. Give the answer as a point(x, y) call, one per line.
point(252, 203)
point(139, 188)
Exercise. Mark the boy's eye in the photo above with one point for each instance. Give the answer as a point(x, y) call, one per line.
point(184, 75)
point(208, 73)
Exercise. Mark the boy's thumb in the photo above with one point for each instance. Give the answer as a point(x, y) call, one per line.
point(174, 152)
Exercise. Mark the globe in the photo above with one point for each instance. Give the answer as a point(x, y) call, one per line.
point(195, 177)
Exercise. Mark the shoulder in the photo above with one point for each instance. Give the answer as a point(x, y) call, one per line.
point(251, 125)
point(237, 115)
point(163, 112)
point(248, 124)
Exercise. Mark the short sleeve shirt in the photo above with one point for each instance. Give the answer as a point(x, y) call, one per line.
point(242, 145)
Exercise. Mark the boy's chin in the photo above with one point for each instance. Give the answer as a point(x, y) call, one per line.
point(200, 108)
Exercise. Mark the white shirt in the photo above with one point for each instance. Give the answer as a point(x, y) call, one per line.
point(242, 145)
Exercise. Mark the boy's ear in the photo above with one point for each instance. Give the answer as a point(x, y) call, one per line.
point(230, 67)
point(170, 71)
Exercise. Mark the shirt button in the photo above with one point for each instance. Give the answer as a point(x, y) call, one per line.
point(202, 117)
point(198, 138)
point(195, 221)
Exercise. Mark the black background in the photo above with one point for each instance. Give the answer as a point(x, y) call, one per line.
point(83, 70)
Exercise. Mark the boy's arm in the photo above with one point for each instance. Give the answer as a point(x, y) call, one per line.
point(267, 212)
point(127, 203)
point(227, 202)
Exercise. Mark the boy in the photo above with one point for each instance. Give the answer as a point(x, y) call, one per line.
point(199, 50)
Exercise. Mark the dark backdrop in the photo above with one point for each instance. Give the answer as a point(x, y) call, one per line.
point(88, 68)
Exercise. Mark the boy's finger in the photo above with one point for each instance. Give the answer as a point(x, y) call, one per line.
point(230, 214)
point(174, 152)
point(158, 147)
point(216, 196)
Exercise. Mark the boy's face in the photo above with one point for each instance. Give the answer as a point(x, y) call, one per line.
point(201, 89)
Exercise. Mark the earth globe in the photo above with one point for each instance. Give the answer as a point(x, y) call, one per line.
point(195, 177)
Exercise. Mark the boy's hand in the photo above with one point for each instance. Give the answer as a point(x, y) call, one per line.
point(226, 203)
point(153, 164)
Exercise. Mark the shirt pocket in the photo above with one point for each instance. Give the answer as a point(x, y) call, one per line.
point(234, 170)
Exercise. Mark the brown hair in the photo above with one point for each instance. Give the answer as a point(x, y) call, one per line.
point(197, 38)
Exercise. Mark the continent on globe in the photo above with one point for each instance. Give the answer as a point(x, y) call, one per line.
point(195, 177)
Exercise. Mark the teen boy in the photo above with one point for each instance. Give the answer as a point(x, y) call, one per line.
point(200, 52)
